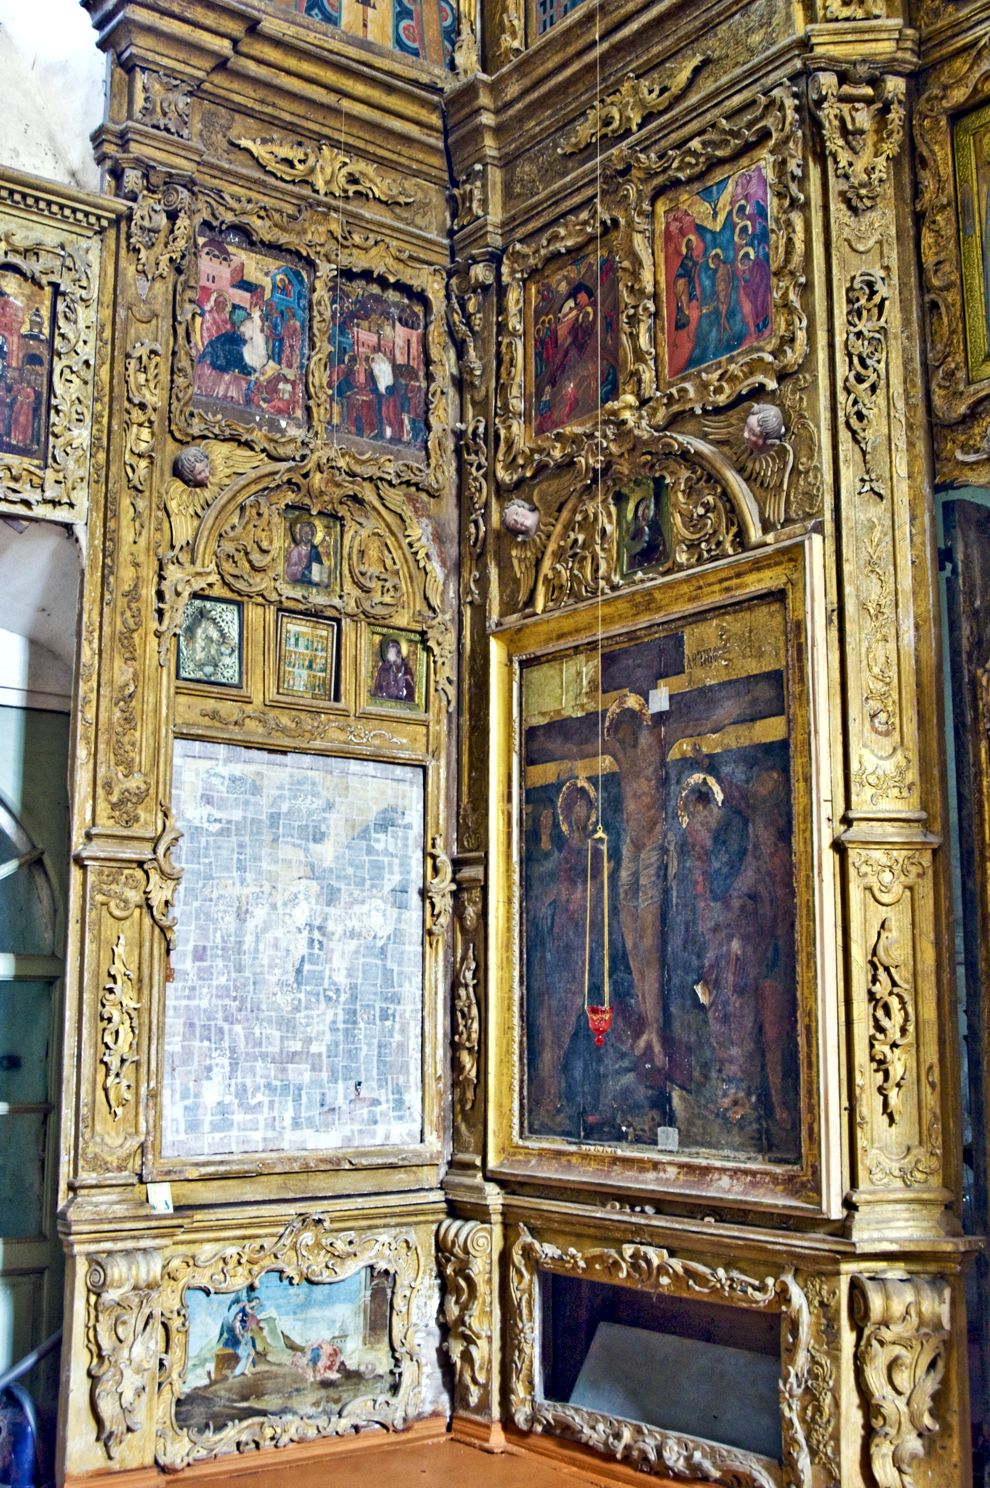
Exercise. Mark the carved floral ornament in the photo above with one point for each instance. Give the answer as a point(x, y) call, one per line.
point(226, 534)
point(650, 1269)
point(68, 268)
point(122, 1335)
point(465, 1252)
point(164, 232)
point(635, 186)
point(308, 1249)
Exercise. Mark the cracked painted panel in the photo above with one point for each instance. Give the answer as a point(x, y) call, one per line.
point(294, 1020)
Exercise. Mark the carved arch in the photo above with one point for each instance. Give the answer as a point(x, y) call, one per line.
point(713, 514)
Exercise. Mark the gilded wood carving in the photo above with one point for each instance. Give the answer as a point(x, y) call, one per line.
point(904, 1327)
point(52, 404)
point(307, 1250)
point(652, 1269)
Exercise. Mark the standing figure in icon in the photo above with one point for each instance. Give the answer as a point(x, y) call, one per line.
point(724, 284)
point(685, 285)
point(394, 679)
point(746, 920)
point(576, 950)
point(635, 742)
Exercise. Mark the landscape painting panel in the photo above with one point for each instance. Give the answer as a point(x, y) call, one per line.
point(715, 271)
point(294, 1019)
point(278, 1348)
point(251, 334)
point(378, 368)
point(424, 29)
point(573, 301)
point(26, 311)
point(693, 789)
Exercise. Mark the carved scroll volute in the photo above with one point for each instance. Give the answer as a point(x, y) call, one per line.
point(898, 1152)
point(903, 1324)
point(114, 1035)
point(123, 1323)
point(466, 1009)
point(466, 1252)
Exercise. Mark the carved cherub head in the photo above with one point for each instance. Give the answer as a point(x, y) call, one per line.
point(192, 466)
point(764, 426)
point(520, 518)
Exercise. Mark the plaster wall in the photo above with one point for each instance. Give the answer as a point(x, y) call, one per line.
point(53, 90)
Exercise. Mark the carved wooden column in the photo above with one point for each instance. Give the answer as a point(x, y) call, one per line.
point(900, 1045)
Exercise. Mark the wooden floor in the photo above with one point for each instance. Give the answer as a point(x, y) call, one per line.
point(423, 1457)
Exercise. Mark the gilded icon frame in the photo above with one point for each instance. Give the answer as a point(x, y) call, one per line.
point(223, 217)
point(620, 1260)
point(59, 239)
point(521, 451)
point(807, 1179)
point(973, 227)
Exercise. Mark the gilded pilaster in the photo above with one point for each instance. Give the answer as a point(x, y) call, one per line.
point(896, 1170)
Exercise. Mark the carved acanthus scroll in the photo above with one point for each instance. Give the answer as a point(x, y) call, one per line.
point(891, 1019)
point(867, 301)
point(623, 111)
point(327, 170)
point(122, 1334)
point(904, 1327)
point(440, 890)
point(118, 1032)
point(464, 1248)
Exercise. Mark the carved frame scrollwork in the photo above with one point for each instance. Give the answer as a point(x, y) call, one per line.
point(649, 1269)
point(69, 266)
point(391, 572)
point(960, 409)
point(122, 1335)
point(353, 251)
point(465, 1252)
point(574, 552)
point(295, 234)
point(768, 130)
point(520, 453)
point(306, 1250)
point(903, 1324)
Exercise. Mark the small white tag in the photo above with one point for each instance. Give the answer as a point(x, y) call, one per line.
point(160, 1197)
point(668, 1138)
point(659, 699)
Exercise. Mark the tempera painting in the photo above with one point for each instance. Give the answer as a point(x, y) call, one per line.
point(378, 368)
point(25, 364)
point(278, 1348)
point(549, 12)
point(659, 884)
point(715, 270)
point(644, 539)
point(251, 334)
point(572, 339)
point(294, 1018)
point(310, 552)
point(396, 669)
point(422, 29)
point(971, 145)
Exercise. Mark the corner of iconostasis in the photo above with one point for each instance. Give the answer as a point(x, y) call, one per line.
point(699, 754)
point(264, 825)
